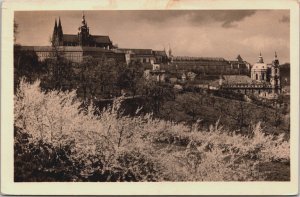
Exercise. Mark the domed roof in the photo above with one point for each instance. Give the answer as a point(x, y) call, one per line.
point(260, 63)
point(260, 66)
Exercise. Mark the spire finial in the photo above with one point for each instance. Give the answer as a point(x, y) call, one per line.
point(275, 54)
point(260, 53)
point(83, 18)
point(59, 23)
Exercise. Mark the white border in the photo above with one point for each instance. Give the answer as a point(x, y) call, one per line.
point(164, 188)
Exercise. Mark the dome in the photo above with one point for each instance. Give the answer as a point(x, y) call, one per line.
point(260, 65)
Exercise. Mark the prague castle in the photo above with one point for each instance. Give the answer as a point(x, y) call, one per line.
point(235, 75)
point(74, 47)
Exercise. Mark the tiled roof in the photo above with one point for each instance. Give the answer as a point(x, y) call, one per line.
point(162, 53)
point(101, 39)
point(70, 38)
point(185, 58)
point(137, 51)
point(96, 38)
point(237, 79)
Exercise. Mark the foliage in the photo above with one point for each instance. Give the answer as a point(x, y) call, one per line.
point(86, 145)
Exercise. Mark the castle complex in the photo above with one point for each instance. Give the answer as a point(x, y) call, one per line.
point(235, 75)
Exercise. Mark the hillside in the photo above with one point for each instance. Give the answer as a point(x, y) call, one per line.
point(57, 140)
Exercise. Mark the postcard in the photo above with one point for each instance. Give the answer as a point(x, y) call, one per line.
point(150, 97)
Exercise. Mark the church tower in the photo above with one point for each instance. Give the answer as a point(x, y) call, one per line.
point(60, 33)
point(275, 75)
point(53, 41)
point(83, 33)
point(57, 36)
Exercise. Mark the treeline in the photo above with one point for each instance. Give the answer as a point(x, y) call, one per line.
point(94, 79)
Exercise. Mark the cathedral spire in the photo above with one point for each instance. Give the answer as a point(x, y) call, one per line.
point(55, 27)
point(83, 18)
point(54, 35)
point(59, 23)
point(275, 55)
point(59, 26)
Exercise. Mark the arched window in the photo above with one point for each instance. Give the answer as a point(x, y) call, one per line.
point(263, 76)
point(256, 76)
point(276, 71)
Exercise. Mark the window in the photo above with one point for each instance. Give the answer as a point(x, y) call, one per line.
point(276, 71)
point(263, 76)
point(256, 76)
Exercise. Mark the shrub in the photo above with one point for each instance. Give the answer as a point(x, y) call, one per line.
point(64, 142)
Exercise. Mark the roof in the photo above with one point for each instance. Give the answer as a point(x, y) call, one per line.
point(137, 51)
point(70, 38)
point(96, 38)
point(186, 58)
point(236, 79)
point(101, 39)
point(65, 48)
point(162, 53)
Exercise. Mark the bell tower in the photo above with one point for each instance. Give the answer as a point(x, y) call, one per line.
point(275, 75)
point(83, 32)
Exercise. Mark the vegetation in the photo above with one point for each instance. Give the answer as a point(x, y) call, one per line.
point(238, 115)
point(58, 140)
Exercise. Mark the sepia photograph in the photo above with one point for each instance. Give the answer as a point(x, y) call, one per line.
point(159, 95)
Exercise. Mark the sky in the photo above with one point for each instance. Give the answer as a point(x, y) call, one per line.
point(205, 33)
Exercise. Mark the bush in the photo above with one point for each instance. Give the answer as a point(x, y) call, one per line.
point(57, 140)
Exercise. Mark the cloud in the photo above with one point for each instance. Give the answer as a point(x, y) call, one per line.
point(227, 18)
point(284, 19)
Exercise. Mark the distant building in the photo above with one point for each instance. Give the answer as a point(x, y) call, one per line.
point(156, 74)
point(83, 37)
point(75, 47)
point(212, 65)
point(264, 80)
point(74, 53)
point(146, 56)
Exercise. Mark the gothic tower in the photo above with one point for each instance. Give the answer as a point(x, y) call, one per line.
point(57, 36)
point(83, 34)
point(275, 75)
point(53, 40)
point(60, 33)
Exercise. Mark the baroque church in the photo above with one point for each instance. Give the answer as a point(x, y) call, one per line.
point(263, 82)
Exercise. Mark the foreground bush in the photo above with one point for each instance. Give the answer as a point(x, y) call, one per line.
point(65, 142)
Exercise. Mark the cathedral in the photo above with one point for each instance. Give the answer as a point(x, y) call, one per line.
point(83, 38)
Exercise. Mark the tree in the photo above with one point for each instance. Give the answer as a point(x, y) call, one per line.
point(26, 65)
point(158, 93)
point(98, 77)
point(131, 77)
point(239, 112)
point(59, 74)
point(15, 31)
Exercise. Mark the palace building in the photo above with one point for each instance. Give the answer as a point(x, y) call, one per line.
point(74, 47)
